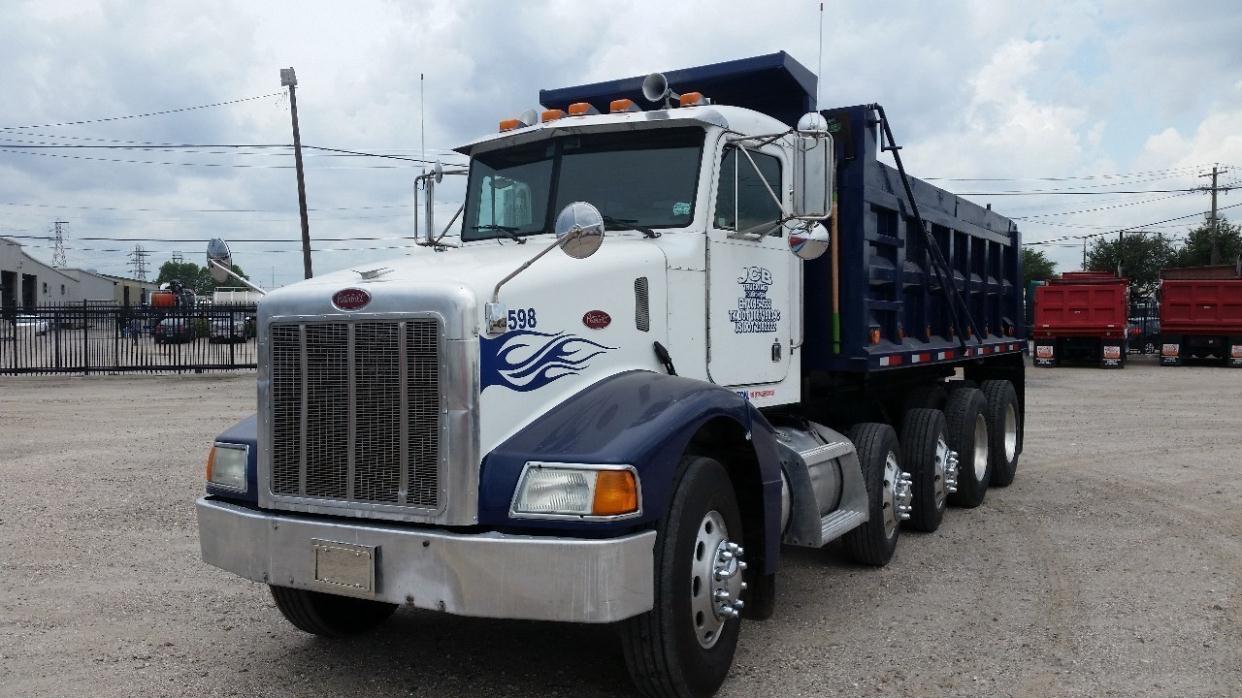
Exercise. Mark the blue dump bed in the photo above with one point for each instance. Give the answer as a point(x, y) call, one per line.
point(887, 295)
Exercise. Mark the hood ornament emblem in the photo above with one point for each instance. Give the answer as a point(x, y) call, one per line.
point(368, 274)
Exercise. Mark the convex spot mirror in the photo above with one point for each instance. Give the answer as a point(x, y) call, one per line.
point(218, 252)
point(579, 229)
point(807, 240)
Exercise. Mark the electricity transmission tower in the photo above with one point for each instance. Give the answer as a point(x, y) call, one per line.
point(58, 257)
point(138, 262)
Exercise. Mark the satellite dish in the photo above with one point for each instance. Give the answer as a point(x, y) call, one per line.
point(437, 172)
point(218, 252)
point(529, 117)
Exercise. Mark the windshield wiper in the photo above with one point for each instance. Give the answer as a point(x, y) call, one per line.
point(630, 223)
point(508, 230)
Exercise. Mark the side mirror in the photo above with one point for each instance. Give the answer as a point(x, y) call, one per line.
point(807, 240)
point(813, 168)
point(218, 252)
point(579, 230)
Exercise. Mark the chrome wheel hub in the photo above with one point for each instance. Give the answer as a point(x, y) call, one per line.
point(898, 492)
point(946, 468)
point(981, 447)
point(945, 471)
point(716, 584)
point(1011, 433)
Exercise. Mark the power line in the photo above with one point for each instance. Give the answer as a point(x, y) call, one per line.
point(1101, 208)
point(1124, 175)
point(162, 112)
point(1122, 230)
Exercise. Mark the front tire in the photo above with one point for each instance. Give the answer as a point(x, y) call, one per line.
point(965, 416)
point(683, 646)
point(888, 491)
point(329, 615)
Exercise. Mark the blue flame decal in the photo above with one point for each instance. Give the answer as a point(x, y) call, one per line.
point(525, 360)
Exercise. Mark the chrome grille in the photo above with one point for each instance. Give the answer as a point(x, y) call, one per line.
point(355, 409)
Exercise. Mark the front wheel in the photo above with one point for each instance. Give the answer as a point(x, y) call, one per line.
point(684, 645)
point(329, 615)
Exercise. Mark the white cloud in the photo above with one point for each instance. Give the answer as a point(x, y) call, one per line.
point(974, 90)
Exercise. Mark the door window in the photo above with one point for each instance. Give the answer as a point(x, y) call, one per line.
point(753, 209)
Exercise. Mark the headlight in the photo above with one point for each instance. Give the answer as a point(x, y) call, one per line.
point(226, 466)
point(553, 490)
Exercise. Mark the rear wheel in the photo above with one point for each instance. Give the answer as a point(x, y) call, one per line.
point(965, 417)
point(684, 645)
point(1004, 429)
point(329, 615)
point(888, 495)
point(933, 466)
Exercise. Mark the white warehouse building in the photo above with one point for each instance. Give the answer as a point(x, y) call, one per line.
point(26, 282)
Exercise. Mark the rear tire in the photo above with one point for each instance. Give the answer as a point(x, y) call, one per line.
point(924, 451)
point(968, 435)
point(680, 647)
point(874, 542)
point(329, 615)
point(1004, 430)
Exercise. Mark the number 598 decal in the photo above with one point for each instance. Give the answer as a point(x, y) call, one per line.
point(522, 318)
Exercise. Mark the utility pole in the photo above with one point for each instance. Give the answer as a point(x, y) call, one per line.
point(1215, 232)
point(1120, 246)
point(290, 79)
point(58, 257)
point(1084, 254)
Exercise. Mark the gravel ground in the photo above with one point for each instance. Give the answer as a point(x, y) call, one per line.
point(1111, 567)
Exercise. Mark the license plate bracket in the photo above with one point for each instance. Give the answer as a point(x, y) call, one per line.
point(347, 567)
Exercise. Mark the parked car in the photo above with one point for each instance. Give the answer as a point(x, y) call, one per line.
point(238, 329)
point(31, 324)
point(173, 331)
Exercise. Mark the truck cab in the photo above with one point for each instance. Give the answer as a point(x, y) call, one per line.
point(591, 405)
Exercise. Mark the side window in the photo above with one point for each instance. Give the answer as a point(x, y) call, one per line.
point(754, 205)
point(504, 201)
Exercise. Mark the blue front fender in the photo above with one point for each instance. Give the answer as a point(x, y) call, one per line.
point(639, 418)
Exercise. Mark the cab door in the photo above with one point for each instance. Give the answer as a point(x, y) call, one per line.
point(749, 271)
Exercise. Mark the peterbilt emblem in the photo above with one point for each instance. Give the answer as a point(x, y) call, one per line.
point(596, 319)
point(351, 299)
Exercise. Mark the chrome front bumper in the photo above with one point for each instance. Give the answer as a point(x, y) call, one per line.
point(491, 575)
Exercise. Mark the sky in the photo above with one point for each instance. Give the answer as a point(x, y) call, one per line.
point(984, 97)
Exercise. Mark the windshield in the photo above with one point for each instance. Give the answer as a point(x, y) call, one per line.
point(637, 179)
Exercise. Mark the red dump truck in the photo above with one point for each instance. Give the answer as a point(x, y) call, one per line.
point(1201, 314)
point(1081, 317)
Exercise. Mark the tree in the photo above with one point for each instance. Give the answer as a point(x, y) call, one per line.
point(195, 278)
point(1036, 266)
point(1142, 256)
point(1198, 248)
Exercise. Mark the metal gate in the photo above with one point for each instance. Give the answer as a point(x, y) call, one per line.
point(92, 338)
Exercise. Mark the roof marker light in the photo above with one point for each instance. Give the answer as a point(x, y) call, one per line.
point(694, 99)
point(551, 115)
point(527, 118)
point(622, 105)
point(582, 109)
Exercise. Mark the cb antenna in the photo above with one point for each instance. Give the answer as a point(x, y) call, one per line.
point(819, 69)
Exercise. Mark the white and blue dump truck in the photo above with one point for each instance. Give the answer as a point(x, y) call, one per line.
point(782, 342)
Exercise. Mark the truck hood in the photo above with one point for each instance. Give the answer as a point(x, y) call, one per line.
point(458, 282)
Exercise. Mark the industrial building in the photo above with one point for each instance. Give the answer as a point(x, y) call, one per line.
point(26, 282)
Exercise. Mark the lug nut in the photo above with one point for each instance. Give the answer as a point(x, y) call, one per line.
point(720, 595)
point(726, 555)
point(745, 586)
point(739, 605)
